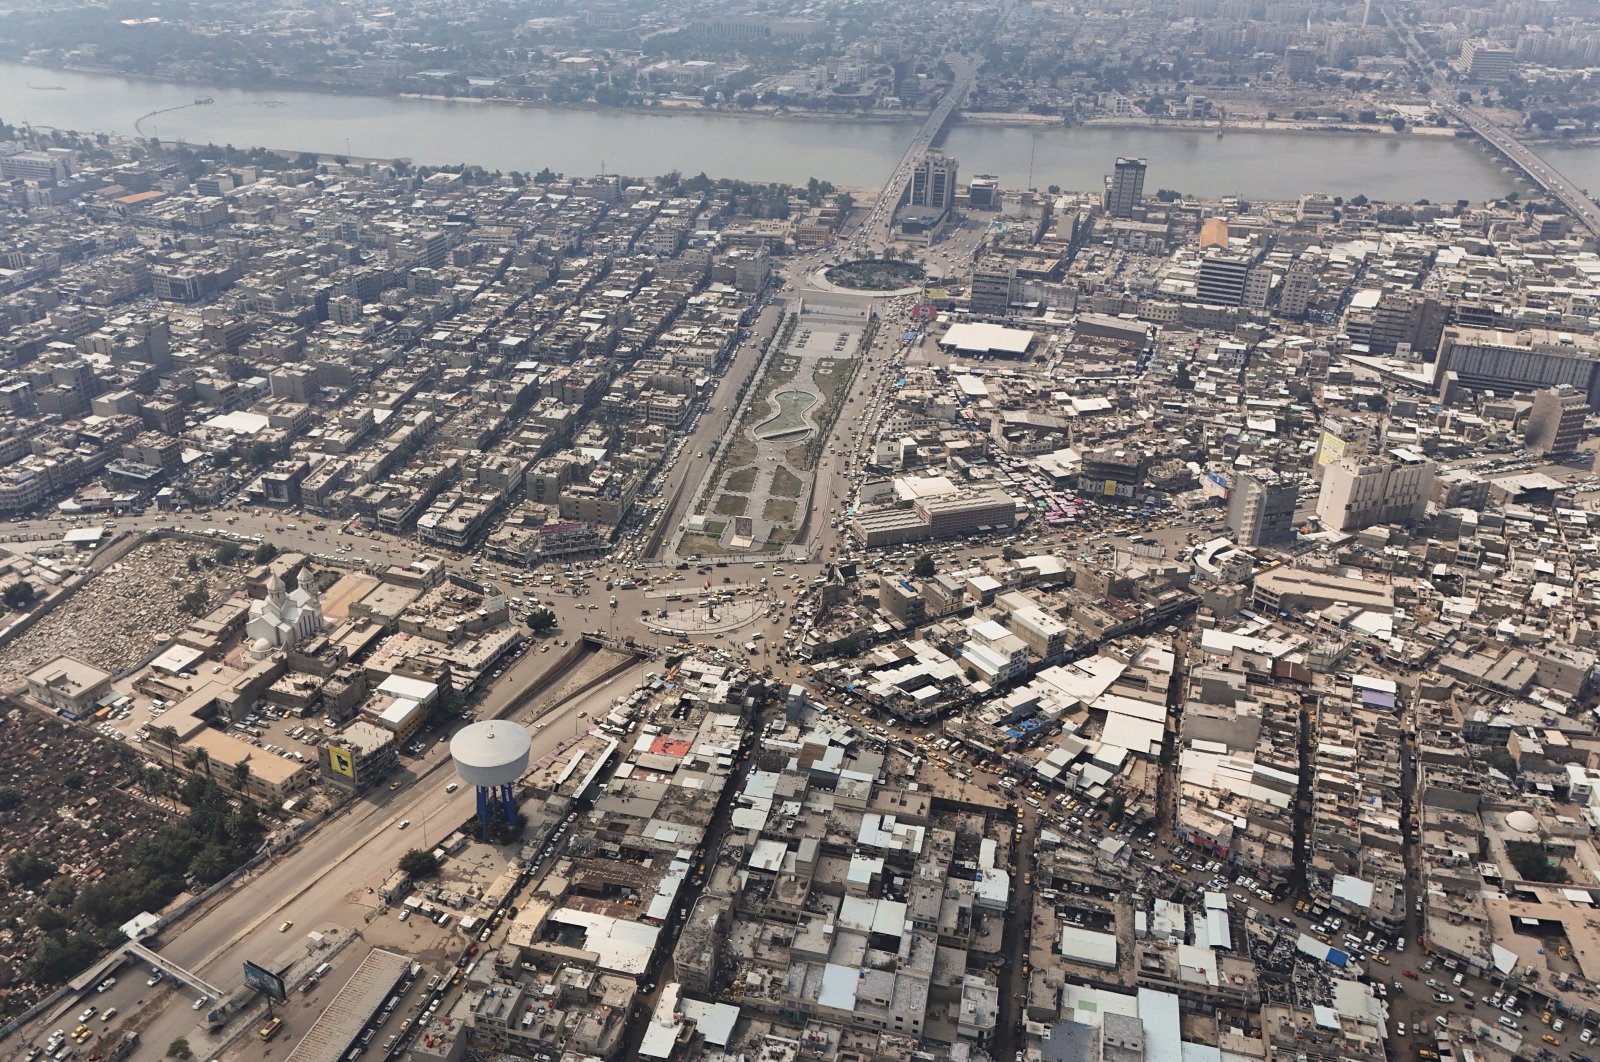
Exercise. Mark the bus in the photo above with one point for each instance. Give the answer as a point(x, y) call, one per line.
point(270, 1029)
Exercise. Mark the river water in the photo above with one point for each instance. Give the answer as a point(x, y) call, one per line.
point(1260, 165)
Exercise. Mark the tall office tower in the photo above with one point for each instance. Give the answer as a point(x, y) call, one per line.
point(993, 284)
point(1407, 317)
point(1222, 279)
point(1556, 424)
point(1300, 63)
point(1484, 61)
point(1261, 509)
point(1125, 188)
point(933, 182)
point(1359, 492)
point(1299, 285)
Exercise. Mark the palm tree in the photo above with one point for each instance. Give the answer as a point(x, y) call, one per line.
point(209, 864)
point(197, 759)
point(241, 775)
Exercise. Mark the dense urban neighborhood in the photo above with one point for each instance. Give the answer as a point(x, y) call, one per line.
point(450, 614)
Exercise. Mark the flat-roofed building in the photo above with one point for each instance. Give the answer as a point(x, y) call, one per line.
point(1555, 425)
point(1506, 363)
point(68, 685)
point(1360, 492)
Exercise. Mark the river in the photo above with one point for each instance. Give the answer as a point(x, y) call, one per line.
point(851, 153)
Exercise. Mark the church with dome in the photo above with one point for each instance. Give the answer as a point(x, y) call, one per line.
point(282, 619)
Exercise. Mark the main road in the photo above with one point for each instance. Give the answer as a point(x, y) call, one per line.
point(1533, 166)
point(1537, 170)
point(875, 231)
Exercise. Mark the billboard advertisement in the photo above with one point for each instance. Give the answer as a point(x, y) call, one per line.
point(264, 981)
point(341, 761)
point(1330, 450)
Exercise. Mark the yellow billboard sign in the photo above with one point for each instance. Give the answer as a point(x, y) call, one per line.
point(341, 761)
point(1331, 449)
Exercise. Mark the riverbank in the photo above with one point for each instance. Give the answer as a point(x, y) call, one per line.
point(1263, 125)
point(1022, 150)
point(694, 108)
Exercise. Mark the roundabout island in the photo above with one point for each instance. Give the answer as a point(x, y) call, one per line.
point(882, 276)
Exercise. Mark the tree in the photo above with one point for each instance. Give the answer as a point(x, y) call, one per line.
point(28, 869)
point(265, 552)
point(924, 567)
point(211, 864)
point(239, 775)
point(179, 1049)
point(1011, 553)
point(10, 797)
point(1398, 124)
point(419, 864)
point(18, 595)
point(198, 759)
point(1531, 863)
point(196, 601)
point(1501, 760)
point(262, 452)
point(540, 620)
point(227, 552)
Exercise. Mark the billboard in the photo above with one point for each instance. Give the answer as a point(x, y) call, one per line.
point(264, 981)
point(341, 761)
point(1330, 449)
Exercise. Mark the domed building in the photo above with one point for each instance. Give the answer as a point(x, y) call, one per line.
point(282, 619)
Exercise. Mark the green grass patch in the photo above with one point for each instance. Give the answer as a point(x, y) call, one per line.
point(833, 384)
point(786, 484)
point(706, 545)
point(778, 510)
point(731, 505)
point(741, 480)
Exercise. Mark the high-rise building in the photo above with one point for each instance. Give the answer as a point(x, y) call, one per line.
point(1300, 63)
point(992, 287)
point(1407, 317)
point(1261, 509)
point(1484, 61)
point(1222, 279)
point(1125, 188)
point(1556, 424)
point(933, 182)
point(1487, 359)
point(1359, 492)
point(1299, 286)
